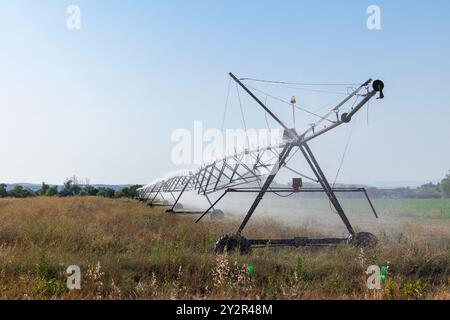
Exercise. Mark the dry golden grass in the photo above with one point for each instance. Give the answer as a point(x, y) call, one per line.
point(127, 250)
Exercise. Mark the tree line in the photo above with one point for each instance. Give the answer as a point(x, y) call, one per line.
point(426, 191)
point(71, 188)
point(445, 186)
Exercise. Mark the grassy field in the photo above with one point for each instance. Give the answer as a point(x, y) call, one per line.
point(127, 250)
point(428, 208)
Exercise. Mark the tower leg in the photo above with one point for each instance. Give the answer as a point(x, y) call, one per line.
point(325, 185)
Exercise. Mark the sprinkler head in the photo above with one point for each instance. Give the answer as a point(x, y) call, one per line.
point(345, 118)
point(378, 86)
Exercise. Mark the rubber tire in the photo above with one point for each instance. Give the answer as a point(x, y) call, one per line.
point(363, 240)
point(230, 243)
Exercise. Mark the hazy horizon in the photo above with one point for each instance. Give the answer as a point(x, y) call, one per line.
point(379, 184)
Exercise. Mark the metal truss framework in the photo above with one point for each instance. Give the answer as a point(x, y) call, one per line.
point(260, 167)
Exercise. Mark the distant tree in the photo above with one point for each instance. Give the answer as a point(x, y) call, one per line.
point(20, 192)
point(430, 185)
point(43, 190)
point(66, 190)
point(445, 186)
point(88, 191)
point(76, 189)
point(132, 192)
point(74, 179)
point(120, 194)
point(106, 192)
point(51, 191)
point(70, 188)
point(3, 192)
point(127, 192)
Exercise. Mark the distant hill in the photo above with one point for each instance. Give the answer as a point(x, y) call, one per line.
point(403, 184)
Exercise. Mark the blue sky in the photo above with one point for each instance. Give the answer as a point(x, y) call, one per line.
point(103, 101)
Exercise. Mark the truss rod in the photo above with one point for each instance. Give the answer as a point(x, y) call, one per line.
point(283, 156)
point(258, 101)
point(181, 193)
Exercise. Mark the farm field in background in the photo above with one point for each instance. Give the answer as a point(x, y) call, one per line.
point(315, 213)
point(127, 250)
point(425, 208)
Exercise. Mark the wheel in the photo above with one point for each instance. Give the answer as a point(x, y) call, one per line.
point(217, 215)
point(231, 243)
point(362, 239)
point(178, 206)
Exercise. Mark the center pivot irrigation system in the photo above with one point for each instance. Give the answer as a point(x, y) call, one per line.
point(240, 172)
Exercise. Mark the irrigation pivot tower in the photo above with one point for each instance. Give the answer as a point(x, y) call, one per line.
point(230, 173)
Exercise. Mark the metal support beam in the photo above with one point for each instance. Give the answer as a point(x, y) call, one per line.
point(282, 158)
point(259, 101)
point(297, 242)
point(211, 207)
point(370, 203)
point(180, 195)
point(154, 198)
point(309, 156)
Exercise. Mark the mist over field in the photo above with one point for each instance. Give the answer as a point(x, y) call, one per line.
point(316, 213)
